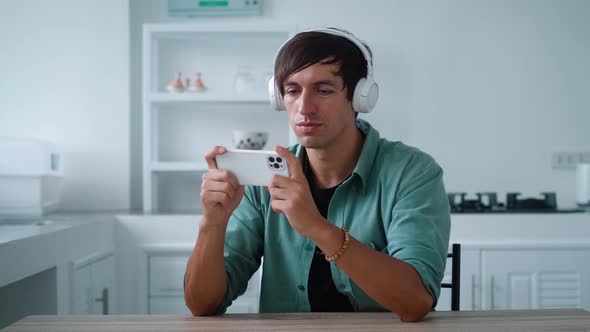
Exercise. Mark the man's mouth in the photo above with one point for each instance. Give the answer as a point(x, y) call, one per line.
point(308, 126)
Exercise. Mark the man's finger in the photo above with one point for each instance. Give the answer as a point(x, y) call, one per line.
point(279, 181)
point(277, 206)
point(212, 185)
point(212, 154)
point(215, 197)
point(222, 176)
point(295, 170)
point(278, 193)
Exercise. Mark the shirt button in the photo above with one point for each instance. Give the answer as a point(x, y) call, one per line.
point(301, 288)
point(309, 247)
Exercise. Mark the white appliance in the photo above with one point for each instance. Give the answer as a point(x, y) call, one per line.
point(583, 185)
point(191, 8)
point(31, 176)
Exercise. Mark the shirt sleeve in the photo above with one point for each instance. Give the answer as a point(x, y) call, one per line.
point(244, 246)
point(419, 230)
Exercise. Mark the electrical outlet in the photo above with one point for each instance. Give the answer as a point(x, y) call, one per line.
point(568, 160)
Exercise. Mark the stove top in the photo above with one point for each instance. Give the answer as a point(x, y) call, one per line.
point(488, 202)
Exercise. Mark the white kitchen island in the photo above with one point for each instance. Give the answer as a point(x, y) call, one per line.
point(53, 248)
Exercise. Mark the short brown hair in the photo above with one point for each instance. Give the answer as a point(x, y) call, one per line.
point(308, 48)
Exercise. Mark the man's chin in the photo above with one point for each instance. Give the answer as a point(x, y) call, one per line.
point(310, 142)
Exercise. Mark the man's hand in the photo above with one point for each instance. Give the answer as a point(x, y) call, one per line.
point(220, 191)
point(292, 197)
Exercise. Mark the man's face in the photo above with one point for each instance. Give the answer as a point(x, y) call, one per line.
point(319, 111)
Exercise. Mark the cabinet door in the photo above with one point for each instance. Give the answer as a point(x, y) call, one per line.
point(81, 291)
point(166, 294)
point(166, 275)
point(535, 278)
point(93, 285)
point(102, 274)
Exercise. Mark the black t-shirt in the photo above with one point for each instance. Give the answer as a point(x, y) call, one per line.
point(322, 293)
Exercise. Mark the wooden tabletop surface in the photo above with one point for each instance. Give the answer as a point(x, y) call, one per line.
point(517, 320)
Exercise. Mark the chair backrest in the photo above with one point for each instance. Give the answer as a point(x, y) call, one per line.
point(455, 285)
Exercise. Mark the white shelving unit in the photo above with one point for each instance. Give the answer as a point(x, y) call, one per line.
point(178, 128)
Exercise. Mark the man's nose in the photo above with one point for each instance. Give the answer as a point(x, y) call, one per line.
point(306, 103)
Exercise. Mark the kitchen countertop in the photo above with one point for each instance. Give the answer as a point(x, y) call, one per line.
point(23, 228)
point(516, 320)
point(38, 237)
point(29, 246)
point(18, 228)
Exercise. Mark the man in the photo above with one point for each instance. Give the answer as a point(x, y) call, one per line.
point(360, 224)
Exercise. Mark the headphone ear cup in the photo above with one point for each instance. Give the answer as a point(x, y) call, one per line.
point(365, 95)
point(276, 101)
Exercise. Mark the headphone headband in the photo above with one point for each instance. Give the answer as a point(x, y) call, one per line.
point(353, 39)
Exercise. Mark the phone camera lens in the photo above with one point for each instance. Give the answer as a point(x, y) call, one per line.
point(271, 159)
point(279, 160)
point(276, 165)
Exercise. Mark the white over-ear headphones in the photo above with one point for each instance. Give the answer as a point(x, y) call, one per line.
point(366, 91)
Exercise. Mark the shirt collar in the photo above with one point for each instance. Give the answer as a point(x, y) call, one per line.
point(368, 152)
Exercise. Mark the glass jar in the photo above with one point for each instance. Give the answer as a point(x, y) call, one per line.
point(245, 81)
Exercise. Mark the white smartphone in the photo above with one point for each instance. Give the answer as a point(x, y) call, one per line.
point(253, 167)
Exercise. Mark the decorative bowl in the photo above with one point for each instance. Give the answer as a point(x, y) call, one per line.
point(249, 140)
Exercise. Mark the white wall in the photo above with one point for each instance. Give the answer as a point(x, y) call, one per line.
point(489, 88)
point(64, 77)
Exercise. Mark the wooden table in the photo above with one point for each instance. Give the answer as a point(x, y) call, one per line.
point(518, 320)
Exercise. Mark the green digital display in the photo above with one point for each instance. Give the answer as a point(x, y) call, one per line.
point(213, 3)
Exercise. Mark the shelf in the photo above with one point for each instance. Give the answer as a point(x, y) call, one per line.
point(195, 97)
point(177, 128)
point(179, 167)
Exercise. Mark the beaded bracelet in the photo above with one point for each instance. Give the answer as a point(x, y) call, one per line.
point(341, 251)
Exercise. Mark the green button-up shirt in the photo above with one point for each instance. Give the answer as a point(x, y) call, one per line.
point(394, 202)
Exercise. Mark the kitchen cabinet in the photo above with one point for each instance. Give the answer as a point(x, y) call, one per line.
point(522, 276)
point(235, 63)
point(166, 294)
point(64, 244)
point(165, 277)
point(522, 260)
point(499, 245)
point(535, 278)
point(93, 281)
point(499, 277)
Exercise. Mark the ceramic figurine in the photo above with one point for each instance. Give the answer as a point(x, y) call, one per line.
point(187, 83)
point(197, 85)
point(176, 84)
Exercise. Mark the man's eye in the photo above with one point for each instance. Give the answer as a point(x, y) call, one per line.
point(291, 92)
point(324, 92)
